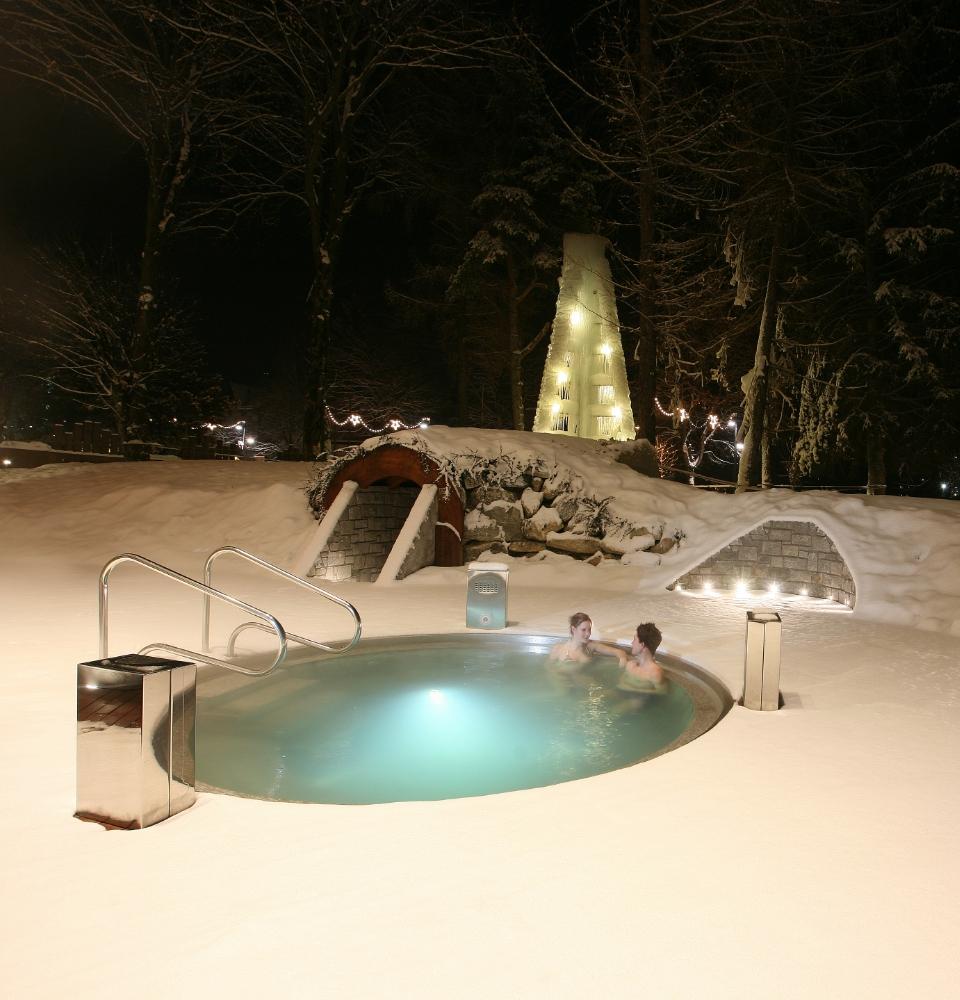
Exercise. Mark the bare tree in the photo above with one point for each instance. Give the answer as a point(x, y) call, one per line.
point(78, 319)
point(137, 70)
point(321, 138)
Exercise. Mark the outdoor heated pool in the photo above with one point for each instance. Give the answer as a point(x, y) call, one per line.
point(435, 717)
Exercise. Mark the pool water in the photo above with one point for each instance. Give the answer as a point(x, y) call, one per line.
point(392, 721)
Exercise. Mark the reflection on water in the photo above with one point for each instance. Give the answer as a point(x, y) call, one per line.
point(434, 723)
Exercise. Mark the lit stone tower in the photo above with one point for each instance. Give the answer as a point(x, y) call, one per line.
point(584, 389)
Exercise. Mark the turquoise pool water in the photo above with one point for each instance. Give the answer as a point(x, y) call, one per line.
point(394, 721)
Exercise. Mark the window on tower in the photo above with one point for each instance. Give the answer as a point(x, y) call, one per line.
point(605, 394)
point(559, 422)
point(606, 426)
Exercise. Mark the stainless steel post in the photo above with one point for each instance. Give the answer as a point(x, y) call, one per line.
point(761, 668)
point(136, 754)
point(487, 595)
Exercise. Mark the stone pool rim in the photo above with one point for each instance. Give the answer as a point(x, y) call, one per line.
point(704, 688)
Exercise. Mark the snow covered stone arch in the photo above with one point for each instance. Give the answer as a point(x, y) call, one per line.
point(797, 556)
point(384, 514)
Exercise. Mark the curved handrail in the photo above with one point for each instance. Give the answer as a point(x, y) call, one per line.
point(271, 625)
point(250, 557)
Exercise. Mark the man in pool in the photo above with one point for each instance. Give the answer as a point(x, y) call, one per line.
point(578, 649)
point(642, 675)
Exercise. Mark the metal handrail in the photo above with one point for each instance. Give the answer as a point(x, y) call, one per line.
point(250, 557)
point(272, 625)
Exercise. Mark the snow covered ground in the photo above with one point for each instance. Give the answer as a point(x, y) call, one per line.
point(805, 853)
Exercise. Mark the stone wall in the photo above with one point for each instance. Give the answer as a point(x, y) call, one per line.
point(797, 555)
point(365, 533)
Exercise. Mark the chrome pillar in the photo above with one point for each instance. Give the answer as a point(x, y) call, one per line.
point(487, 595)
point(761, 668)
point(136, 761)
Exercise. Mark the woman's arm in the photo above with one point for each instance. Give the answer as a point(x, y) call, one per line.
point(608, 649)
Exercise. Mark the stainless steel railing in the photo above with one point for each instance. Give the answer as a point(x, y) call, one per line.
point(299, 581)
point(268, 622)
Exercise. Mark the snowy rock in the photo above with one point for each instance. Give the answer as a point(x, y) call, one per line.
point(664, 545)
point(649, 559)
point(575, 545)
point(545, 521)
point(531, 501)
point(553, 487)
point(484, 495)
point(595, 559)
point(565, 505)
point(625, 539)
point(536, 484)
point(471, 550)
point(477, 527)
point(525, 547)
point(508, 516)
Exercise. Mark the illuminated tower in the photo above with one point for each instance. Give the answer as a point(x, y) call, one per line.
point(584, 389)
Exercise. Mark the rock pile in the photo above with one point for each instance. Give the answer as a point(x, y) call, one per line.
point(534, 511)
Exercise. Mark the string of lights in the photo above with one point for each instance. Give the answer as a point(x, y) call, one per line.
point(712, 422)
point(355, 420)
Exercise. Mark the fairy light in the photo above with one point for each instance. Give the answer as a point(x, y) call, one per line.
point(563, 378)
point(355, 420)
point(605, 350)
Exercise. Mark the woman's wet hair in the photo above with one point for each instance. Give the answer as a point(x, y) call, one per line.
point(579, 618)
point(650, 636)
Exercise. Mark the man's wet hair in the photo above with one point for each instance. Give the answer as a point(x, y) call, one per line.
point(650, 636)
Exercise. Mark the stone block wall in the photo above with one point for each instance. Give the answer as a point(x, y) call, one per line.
point(365, 533)
point(795, 554)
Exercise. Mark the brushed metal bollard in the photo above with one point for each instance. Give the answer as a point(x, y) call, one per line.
point(761, 668)
point(136, 753)
point(487, 595)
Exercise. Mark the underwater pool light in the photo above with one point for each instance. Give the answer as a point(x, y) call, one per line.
point(774, 588)
point(740, 589)
point(436, 697)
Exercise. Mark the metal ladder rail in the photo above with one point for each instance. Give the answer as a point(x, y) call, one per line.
point(250, 557)
point(271, 623)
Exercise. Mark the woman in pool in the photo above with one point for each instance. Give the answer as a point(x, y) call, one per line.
point(579, 649)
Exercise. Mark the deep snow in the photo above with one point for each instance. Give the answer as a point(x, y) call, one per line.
point(804, 853)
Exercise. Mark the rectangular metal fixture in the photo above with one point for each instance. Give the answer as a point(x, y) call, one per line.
point(761, 669)
point(487, 595)
point(136, 749)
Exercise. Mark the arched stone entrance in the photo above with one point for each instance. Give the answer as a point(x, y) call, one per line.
point(394, 466)
point(797, 556)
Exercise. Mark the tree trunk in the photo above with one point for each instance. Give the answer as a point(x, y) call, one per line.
point(754, 411)
point(316, 437)
point(149, 256)
point(645, 354)
point(876, 464)
point(515, 348)
point(766, 463)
